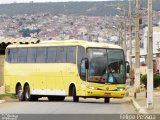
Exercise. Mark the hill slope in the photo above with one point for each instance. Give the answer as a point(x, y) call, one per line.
point(68, 8)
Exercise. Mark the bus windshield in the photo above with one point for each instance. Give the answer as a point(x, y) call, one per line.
point(106, 66)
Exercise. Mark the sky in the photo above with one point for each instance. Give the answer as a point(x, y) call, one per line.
point(22, 1)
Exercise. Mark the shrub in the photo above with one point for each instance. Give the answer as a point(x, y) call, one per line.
point(144, 79)
point(156, 79)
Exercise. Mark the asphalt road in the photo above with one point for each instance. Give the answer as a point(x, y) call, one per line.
point(85, 106)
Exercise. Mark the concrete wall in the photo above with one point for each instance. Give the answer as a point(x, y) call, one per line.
point(156, 36)
point(143, 70)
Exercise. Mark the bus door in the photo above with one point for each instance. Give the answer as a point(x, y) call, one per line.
point(81, 70)
point(83, 77)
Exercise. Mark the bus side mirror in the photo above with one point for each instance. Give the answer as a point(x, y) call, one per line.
point(127, 67)
point(86, 62)
point(84, 65)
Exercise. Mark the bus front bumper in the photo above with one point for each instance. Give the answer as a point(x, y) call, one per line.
point(101, 93)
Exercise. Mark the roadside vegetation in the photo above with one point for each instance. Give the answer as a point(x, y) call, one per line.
point(7, 96)
point(156, 79)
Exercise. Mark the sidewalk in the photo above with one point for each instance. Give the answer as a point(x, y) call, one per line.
point(2, 91)
point(140, 102)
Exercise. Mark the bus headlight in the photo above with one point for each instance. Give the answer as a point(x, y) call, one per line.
point(120, 88)
point(93, 88)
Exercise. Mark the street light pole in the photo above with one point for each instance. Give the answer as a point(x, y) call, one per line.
point(137, 51)
point(124, 42)
point(150, 58)
point(123, 26)
point(121, 38)
point(130, 31)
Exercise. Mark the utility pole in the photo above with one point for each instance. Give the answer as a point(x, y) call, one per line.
point(130, 31)
point(137, 51)
point(123, 26)
point(121, 38)
point(150, 58)
point(124, 42)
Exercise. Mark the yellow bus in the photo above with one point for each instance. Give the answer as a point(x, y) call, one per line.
point(56, 69)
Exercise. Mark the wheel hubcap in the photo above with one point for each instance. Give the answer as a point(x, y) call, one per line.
point(27, 95)
point(20, 94)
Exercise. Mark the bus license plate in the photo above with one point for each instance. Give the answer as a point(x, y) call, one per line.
point(107, 94)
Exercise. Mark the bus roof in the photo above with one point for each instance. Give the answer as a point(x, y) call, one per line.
point(68, 42)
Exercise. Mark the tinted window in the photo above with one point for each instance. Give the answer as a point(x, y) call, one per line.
point(81, 54)
point(51, 55)
point(22, 55)
point(31, 58)
point(61, 54)
point(71, 54)
point(41, 55)
point(7, 57)
point(13, 55)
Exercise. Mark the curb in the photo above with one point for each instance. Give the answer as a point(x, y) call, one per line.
point(138, 108)
point(2, 101)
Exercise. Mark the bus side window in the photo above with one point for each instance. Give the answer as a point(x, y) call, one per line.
point(81, 54)
point(13, 55)
point(22, 55)
point(71, 54)
point(41, 55)
point(83, 70)
point(31, 56)
point(61, 55)
point(51, 54)
point(8, 55)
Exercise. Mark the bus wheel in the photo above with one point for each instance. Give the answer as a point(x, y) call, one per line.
point(20, 93)
point(106, 100)
point(75, 98)
point(27, 93)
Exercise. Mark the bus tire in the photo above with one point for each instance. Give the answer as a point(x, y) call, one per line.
point(75, 97)
point(20, 93)
point(106, 100)
point(27, 95)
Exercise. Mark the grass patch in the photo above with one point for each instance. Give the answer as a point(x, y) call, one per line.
point(7, 96)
